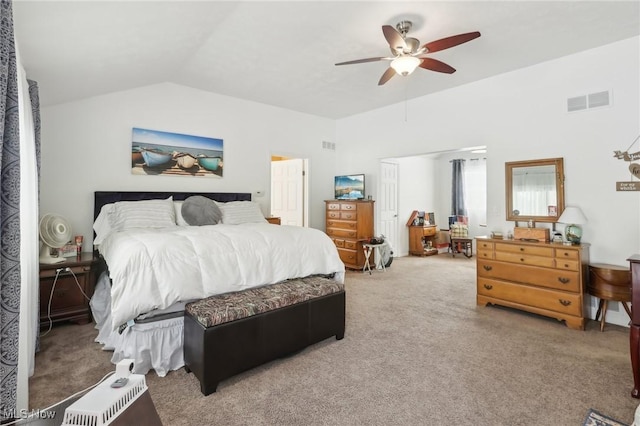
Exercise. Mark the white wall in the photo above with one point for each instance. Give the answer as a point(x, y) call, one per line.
point(520, 116)
point(86, 147)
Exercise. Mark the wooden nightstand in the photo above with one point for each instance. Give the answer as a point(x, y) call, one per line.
point(67, 302)
point(273, 220)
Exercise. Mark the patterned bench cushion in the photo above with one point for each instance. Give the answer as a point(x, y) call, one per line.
point(233, 306)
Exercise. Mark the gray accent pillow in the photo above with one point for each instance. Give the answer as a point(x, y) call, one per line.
point(198, 210)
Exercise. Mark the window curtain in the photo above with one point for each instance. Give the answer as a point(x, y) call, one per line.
point(458, 207)
point(10, 274)
point(475, 178)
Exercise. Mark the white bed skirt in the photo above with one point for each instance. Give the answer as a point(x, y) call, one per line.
point(153, 346)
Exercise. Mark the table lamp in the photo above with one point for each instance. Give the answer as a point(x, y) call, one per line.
point(573, 217)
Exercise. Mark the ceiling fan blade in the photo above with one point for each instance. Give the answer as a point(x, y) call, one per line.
point(394, 38)
point(436, 65)
point(361, 61)
point(390, 72)
point(445, 43)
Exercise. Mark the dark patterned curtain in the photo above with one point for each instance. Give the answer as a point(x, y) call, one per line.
point(458, 207)
point(9, 214)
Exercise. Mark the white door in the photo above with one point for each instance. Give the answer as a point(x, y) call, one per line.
point(388, 204)
point(287, 191)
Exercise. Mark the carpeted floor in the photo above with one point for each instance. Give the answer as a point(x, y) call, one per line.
point(417, 350)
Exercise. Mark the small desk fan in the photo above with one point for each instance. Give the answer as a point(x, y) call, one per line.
point(55, 232)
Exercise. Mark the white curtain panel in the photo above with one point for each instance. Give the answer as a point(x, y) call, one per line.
point(29, 241)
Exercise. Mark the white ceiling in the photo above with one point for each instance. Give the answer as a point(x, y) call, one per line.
point(283, 53)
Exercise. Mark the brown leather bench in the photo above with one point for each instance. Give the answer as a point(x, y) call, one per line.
point(233, 332)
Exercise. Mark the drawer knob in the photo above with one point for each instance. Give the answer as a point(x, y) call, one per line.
point(564, 280)
point(564, 302)
point(521, 248)
point(487, 267)
point(488, 286)
point(521, 260)
point(566, 254)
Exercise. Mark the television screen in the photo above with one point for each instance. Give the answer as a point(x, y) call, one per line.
point(349, 187)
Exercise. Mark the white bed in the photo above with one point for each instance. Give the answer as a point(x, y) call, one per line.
point(156, 266)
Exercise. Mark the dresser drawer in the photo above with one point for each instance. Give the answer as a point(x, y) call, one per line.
point(351, 244)
point(348, 206)
point(50, 273)
point(429, 231)
point(569, 265)
point(484, 245)
point(348, 257)
point(558, 301)
point(333, 206)
point(543, 277)
point(341, 224)
point(337, 232)
point(348, 215)
point(338, 242)
point(567, 254)
point(484, 253)
point(525, 259)
point(333, 214)
point(524, 249)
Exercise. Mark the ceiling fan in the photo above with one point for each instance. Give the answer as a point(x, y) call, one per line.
point(407, 54)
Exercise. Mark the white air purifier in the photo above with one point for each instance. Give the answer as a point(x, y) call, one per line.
point(108, 405)
point(55, 232)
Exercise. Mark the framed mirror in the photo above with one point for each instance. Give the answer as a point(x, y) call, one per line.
point(535, 190)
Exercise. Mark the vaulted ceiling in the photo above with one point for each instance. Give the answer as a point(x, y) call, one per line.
point(283, 53)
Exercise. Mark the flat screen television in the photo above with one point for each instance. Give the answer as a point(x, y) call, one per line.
point(349, 187)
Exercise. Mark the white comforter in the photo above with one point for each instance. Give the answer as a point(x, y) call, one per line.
point(154, 268)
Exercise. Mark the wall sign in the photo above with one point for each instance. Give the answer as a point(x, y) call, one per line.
point(634, 168)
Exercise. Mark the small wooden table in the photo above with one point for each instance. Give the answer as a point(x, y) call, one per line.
point(65, 290)
point(462, 245)
point(609, 282)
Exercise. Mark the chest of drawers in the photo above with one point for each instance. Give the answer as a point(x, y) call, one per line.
point(349, 224)
point(542, 278)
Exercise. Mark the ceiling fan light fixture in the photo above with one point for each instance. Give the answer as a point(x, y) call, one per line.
point(405, 65)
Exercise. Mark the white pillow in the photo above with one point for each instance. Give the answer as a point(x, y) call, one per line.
point(101, 226)
point(238, 212)
point(177, 206)
point(142, 214)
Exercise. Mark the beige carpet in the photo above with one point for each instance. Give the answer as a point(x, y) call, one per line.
point(417, 350)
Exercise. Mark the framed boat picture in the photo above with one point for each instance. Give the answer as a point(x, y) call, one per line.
point(154, 152)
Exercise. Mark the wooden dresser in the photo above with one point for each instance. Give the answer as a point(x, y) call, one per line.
point(544, 278)
point(349, 224)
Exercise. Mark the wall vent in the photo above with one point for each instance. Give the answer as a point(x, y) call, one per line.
point(592, 100)
point(329, 145)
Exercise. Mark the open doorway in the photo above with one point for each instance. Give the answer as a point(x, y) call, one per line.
point(290, 190)
point(424, 183)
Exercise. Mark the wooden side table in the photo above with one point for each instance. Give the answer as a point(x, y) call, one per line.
point(68, 300)
point(273, 220)
point(419, 235)
point(609, 282)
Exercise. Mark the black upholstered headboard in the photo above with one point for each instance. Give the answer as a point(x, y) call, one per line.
point(106, 197)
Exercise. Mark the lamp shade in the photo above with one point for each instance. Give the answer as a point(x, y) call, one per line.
point(572, 215)
point(405, 65)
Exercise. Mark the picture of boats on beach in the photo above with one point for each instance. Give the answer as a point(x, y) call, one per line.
point(162, 153)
